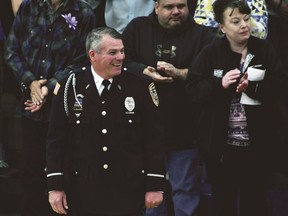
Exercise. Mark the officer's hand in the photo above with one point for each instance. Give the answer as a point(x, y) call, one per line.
point(36, 91)
point(58, 201)
point(153, 199)
point(44, 92)
point(151, 72)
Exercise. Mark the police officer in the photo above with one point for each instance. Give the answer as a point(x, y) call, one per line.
point(112, 142)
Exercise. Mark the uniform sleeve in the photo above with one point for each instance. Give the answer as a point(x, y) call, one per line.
point(130, 37)
point(154, 142)
point(57, 139)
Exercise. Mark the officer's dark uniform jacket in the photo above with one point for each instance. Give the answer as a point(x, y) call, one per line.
point(147, 42)
point(115, 148)
point(205, 87)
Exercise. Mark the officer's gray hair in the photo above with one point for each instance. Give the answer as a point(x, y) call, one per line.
point(94, 38)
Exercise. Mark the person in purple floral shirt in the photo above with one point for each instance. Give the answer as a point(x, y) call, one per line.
point(46, 42)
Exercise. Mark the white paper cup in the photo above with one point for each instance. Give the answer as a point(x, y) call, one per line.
point(255, 74)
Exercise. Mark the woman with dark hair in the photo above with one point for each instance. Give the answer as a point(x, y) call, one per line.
point(259, 16)
point(237, 81)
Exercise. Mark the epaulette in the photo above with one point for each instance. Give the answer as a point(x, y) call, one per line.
point(76, 71)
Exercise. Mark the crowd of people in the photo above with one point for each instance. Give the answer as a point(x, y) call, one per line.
point(122, 102)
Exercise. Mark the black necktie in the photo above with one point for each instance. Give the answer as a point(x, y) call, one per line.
point(105, 91)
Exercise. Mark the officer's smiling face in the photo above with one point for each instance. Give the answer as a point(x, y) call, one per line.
point(108, 62)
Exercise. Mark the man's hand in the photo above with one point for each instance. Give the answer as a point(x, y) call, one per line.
point(153, 199)
point(151, 72)
point(31, 106)
point(171, 70)
point(58, 201)
point(36, 91)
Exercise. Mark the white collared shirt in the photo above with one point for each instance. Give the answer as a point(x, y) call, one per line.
point(98, 81)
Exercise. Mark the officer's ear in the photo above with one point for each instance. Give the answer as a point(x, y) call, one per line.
point(93, 55)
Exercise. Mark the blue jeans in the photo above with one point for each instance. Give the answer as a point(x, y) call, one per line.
point(183, 172)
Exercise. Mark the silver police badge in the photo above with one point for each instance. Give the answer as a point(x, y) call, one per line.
point(129, 104)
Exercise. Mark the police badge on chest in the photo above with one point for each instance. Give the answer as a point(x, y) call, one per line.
point(129, 105)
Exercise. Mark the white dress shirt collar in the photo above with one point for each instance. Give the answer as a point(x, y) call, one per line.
point(98, 81)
